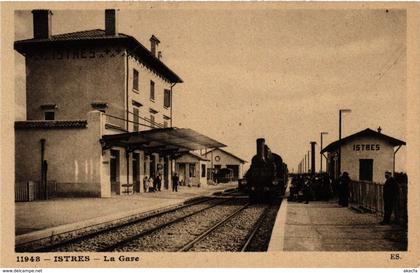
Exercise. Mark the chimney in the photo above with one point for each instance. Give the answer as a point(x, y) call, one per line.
point(42, 23)
point(260, 148)
point(160, 55)
point(111, 22)
point(154, 42)
point(379, 129)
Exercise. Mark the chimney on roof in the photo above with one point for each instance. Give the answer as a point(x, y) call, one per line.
point(111, 22)
point(42, 23)
point(379, 129)
point(154, 43)
point(160, 55)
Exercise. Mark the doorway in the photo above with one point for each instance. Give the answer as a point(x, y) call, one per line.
point(235, 169)
point(115, 171)
point(366, 169)
point(152, 166)
point(136, 172)
point(166, 172)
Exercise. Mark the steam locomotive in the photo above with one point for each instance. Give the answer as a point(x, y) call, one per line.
point(266, 179)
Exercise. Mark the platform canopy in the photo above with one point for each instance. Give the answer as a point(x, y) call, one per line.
point(161, 140)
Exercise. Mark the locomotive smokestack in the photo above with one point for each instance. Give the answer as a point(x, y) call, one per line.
point(260, 148)
point(313, 157)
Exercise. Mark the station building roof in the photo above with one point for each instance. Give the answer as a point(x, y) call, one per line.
point(97, 37)
point(50, 124)
point(367, 132)
point(194, 155)
point(226, 152)
point(163, 140)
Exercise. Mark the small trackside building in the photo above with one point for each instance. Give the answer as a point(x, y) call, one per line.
point(220, 159)
point(192, 169)
point(365, 155)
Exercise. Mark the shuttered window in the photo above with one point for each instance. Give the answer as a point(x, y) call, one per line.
point(136, 119)
point(167, 98)
point(135, 79)
point(152, 90)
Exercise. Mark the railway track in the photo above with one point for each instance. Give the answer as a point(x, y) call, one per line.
point(223, 223)
point(79, 240)
point(235, 233)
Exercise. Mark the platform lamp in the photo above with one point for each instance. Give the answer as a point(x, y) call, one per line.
point(339, 138)
point(308, 160)
point(320, 162)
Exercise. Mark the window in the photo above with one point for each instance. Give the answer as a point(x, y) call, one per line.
point(135, 79)
point(192, 170)
point(152, 120)
point(203, 170)
point(167, 98)
point(166, 121)
point(152, 117)
point(100, 106)
point(152, 90)
point(136, 115)
point(49, 115)
point(136, 119)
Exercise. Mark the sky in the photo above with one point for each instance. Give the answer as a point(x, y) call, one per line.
point(273, 73)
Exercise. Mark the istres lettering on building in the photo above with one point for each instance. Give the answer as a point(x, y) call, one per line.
point(366, 147)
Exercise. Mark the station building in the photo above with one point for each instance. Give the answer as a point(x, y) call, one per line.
point(365, 155)
point(99, 112)
point(220, 159)
point(192, 169)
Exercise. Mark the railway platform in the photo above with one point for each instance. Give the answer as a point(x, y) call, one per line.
point(40, 218)
point(326, 226)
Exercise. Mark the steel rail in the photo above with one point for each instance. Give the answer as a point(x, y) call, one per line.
point(24, 248)
point(208, 231)
point(110, 229)
point(256, 227)
point(153, 229)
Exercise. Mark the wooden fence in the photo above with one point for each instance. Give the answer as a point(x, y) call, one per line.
point(369, 196)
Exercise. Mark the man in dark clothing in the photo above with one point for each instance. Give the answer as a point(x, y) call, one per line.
point(307, 189)
point(175, 180)
point(343, 193)
point(390, 191)
point(158, 182)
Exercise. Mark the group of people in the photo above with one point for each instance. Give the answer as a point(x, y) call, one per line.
point(155, 184)
point(306, 187)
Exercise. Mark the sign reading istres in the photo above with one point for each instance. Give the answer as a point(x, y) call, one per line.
point(366, 147)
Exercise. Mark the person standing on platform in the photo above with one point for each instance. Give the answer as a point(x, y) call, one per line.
point(175, 180)
point(343, 193)
point(158, 182)
point(307, 189)
point(390, 192)
point(145, 183)
point(151, 184)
